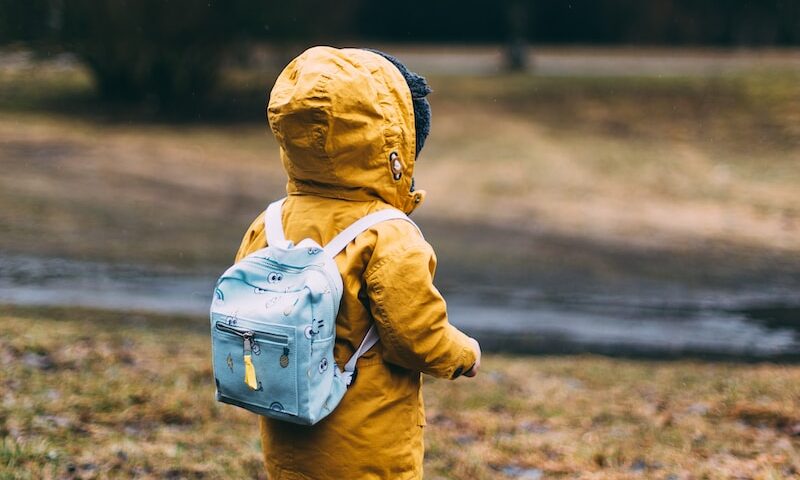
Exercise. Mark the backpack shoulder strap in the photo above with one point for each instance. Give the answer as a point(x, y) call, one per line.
point(370, 339)
point(359, 226)
point(335, 246)
point(273, 226)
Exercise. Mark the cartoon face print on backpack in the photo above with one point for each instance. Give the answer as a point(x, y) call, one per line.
point(317, 325)
point(314, 328)
point(274, 277)
point(323, 365)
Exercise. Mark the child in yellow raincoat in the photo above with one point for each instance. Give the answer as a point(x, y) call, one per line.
point(350, 123)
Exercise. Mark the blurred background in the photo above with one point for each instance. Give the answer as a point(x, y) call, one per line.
point(612, 186)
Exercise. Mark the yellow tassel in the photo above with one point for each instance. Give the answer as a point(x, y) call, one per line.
point(250, 373)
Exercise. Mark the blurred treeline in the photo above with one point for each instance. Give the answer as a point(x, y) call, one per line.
point(171, 50)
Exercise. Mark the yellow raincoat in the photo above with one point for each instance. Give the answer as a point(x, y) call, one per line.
point(339, 116)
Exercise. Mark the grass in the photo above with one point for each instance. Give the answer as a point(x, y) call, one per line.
point(661, 163)
point(92, 394)
point(630, 160)
point(703, 166)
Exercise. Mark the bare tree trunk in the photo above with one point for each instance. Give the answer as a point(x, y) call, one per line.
point(517, 47)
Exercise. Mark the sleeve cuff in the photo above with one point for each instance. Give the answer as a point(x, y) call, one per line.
point(465, 363)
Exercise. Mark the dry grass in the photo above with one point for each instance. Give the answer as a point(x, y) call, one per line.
point(171, 194)
point(115, 396)
point(677, 161)
point(95, 395)
point(654, 162)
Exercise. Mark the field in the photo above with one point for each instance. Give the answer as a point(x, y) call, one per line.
point(611, 182)
point(89, 394)
point(668, 164)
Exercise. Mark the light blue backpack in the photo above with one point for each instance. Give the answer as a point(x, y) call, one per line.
point(273, 325)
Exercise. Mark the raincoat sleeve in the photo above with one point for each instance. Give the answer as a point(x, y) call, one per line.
point(410, 313)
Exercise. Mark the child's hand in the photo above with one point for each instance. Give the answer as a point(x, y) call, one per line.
point(474, 370)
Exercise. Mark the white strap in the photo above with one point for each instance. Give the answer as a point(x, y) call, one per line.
point(337, 245)
point(370, 339)
point(356, 228)
point(273, 226)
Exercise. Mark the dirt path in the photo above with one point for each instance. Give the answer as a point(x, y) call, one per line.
point(542, 60)
point(582, 60)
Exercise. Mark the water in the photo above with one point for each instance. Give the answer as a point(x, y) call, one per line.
point(28, 280)
point(755, 325)
point(607, 327)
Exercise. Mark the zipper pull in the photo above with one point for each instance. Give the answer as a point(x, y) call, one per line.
point(249, 369)
point(284, 360)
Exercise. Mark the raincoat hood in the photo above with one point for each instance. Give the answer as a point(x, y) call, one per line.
point(344, 121)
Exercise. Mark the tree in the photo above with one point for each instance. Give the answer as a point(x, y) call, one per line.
point(517, 42)
point(169, 50)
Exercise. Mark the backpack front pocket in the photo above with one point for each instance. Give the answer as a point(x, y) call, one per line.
point(256, 367)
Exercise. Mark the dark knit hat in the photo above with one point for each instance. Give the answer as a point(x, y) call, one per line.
point(419, 90)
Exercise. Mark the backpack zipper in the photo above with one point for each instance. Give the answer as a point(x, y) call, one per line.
point(278, 266)
point(247, 333)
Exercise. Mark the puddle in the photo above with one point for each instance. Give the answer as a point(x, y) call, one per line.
point(56, 282)
point(758, 325)
point(638, 330)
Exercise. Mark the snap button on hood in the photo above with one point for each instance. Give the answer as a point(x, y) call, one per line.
point(397, 168)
